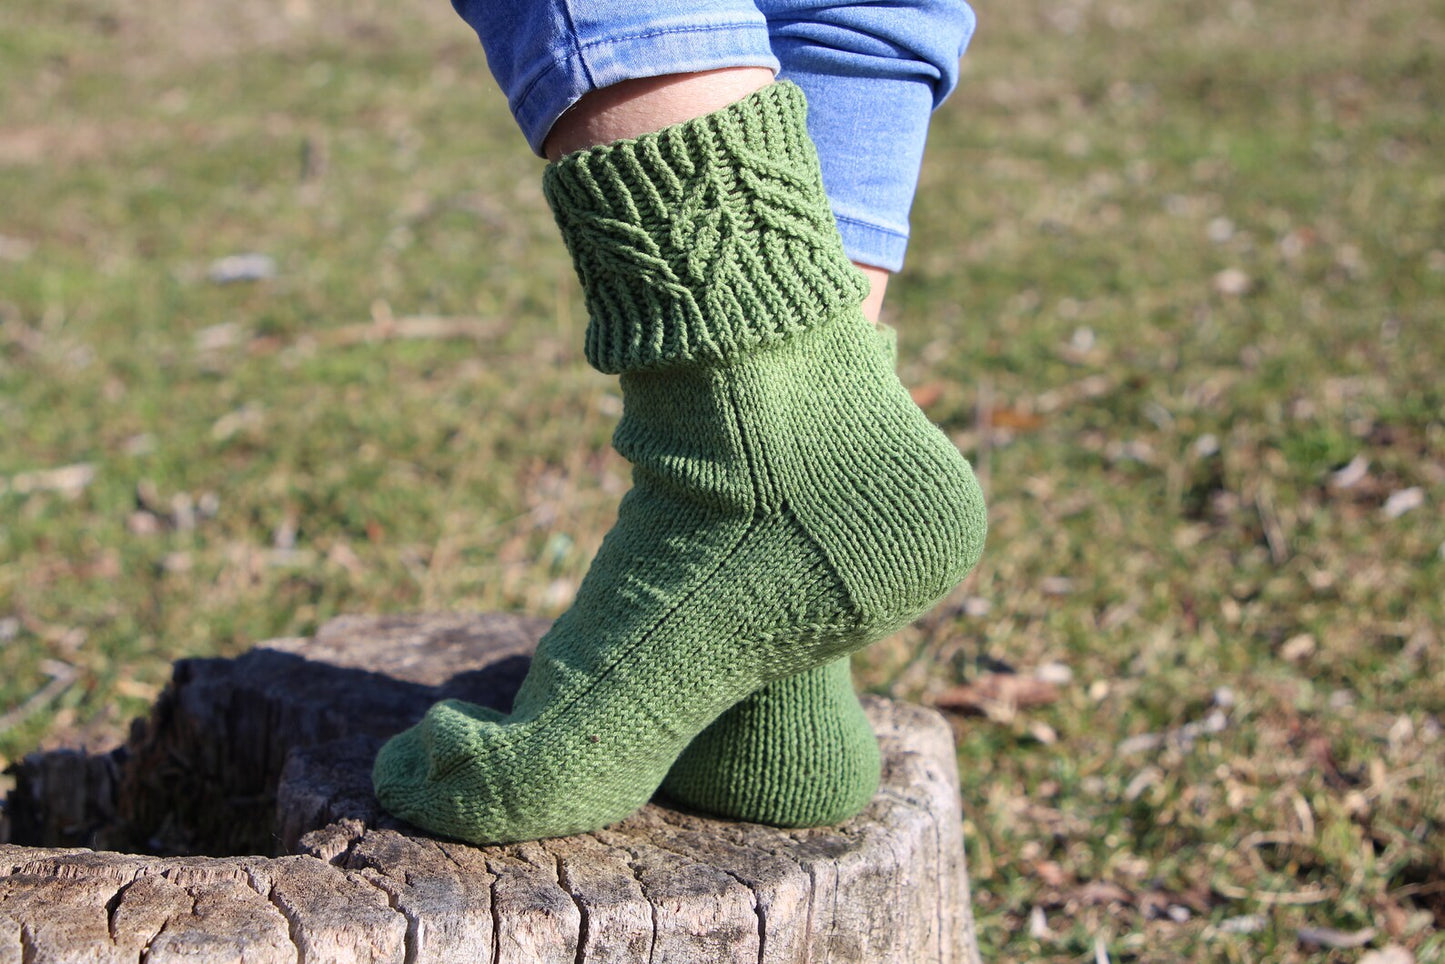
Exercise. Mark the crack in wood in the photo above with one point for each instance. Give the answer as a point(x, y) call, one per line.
point(948, 943)
point(29, 952)
point(293, 925)
point(759, 911)
point(630, 858)
point(944, 952)
point(832, 924)
point(110, 909)
point(805, 868)
point(812, 908)
point(496, 919)
point(465, 871)
point(370, 876)
point(710, 887)
point(582, 926)
point(145, 953)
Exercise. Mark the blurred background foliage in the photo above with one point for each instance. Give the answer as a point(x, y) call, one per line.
point(1177, 287)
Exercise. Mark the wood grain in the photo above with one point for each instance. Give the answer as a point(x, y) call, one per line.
point(250, 780)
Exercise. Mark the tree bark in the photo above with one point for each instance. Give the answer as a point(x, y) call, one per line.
point(270, 754)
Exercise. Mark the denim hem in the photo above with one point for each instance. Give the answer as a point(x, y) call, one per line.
point(872, 244)
point(602, 63)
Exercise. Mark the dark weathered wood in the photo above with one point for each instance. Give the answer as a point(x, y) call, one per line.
point(270, 753)
point(63, 797)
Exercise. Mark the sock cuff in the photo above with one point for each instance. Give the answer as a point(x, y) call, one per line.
point(705, 239)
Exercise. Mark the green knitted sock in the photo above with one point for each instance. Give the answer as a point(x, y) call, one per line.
point(797, 753)
point(790, 502)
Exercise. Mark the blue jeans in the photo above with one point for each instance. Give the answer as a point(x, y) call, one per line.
point(873, 71)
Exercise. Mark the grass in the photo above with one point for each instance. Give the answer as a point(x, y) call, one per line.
point(1177, 287)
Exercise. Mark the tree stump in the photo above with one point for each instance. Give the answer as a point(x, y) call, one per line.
point(270, 754)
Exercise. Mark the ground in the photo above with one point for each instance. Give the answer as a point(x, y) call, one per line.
point(1177, 287)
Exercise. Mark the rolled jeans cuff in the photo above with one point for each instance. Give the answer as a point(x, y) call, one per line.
point(547, 56)
point(872, 71)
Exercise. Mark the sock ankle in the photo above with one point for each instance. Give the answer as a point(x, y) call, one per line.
point(800, 752)
point(790, 503)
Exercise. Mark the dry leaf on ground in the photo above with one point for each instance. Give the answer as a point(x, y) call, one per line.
point(992, 691)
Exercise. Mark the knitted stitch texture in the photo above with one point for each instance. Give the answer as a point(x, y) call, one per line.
point(696, 243)
point(799, 752)
point(790, 502)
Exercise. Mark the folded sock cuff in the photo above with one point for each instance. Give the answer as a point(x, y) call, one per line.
point(705, 239)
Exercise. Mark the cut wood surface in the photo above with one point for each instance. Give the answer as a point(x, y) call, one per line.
point(252, 776)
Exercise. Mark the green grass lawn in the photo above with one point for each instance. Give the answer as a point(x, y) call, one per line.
point(1177, 287)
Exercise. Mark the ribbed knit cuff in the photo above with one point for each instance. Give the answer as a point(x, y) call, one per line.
point(705, 239)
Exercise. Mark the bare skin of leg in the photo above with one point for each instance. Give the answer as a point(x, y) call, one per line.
point(636, 107)
point(878, 281)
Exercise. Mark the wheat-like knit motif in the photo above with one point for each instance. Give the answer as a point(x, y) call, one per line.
point(790, 503)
